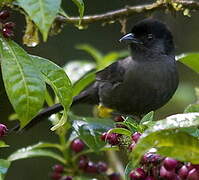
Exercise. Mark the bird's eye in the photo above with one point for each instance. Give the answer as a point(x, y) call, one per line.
point(149, 36)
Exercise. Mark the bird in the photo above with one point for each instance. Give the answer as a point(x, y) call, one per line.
point(142, 82)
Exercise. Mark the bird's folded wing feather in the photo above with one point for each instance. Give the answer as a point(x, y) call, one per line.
point(113, 73)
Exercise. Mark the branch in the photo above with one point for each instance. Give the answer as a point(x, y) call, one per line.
point(129, 11)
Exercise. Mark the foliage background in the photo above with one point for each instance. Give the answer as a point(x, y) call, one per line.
point(61, 49)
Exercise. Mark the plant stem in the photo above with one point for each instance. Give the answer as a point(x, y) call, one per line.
point(116, 163)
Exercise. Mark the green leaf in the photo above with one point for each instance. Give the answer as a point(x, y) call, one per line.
point(46, 145)
point(165, 134)
point(24, 85)
point(175, 144)
point(147, 117)
point(97, 55)
point(4, 165)
point(175, 122)
point(191, 60)
point(80, 5)
point(192, 108)
point(31, 151)
point(3, 144)
point(41, 12)
point(120, 131)
point(83, 82)
point(56, 77)
point(90, 130)
point(80, 68)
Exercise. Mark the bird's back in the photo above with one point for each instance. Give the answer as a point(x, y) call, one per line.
point(143, 86)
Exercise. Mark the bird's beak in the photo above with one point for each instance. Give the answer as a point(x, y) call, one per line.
point(130, 38)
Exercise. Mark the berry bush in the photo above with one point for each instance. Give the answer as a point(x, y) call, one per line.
point(105, 146)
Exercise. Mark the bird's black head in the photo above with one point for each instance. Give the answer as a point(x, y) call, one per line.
point(151, 35)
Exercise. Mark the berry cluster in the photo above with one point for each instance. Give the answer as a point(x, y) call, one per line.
point(84, 165)
point(155, 167)
point(6, 27)
point(58, 173)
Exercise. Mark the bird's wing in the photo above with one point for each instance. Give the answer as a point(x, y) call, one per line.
point(113, 73)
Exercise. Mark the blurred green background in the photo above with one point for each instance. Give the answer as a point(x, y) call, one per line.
point(61, 49)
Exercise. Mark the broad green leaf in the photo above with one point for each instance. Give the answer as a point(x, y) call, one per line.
point(97, 55)
point(191, 60)
point(80, 68)
point(3, 144)
point(46, 145)
point(4, 165)
point(192, 108)
point(24, 85)
point(120, 131)
point(60, 83)
point(175, 122)
point(147, 117)
point(30, 152)
point(80, 5)
point(160, 135)
point(41, 12)
point(90, 130)
point(175, 144)
point(83, 82)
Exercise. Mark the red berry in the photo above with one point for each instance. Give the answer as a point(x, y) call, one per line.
point(118, 119)
point(4, 15)
point(3, 130)
point(66, 178)
point(183, 172)
point(58, 168)
point(170, 164)
point(113, 138)
point(9, 25)
point(114, 176)
point(168, 175)
point(102, 167)
point(56, 176)
point(137, 174)
point(136, 136)
point(193, 175)
point(7, 32)
point(83, 163)
point(103, 136)
point(77, 145)
point(91, 167)
point(132, 146)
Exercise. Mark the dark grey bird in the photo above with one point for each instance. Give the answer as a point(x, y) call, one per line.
point(138, 84)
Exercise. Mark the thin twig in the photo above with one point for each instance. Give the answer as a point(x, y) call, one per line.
point(129, 11)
